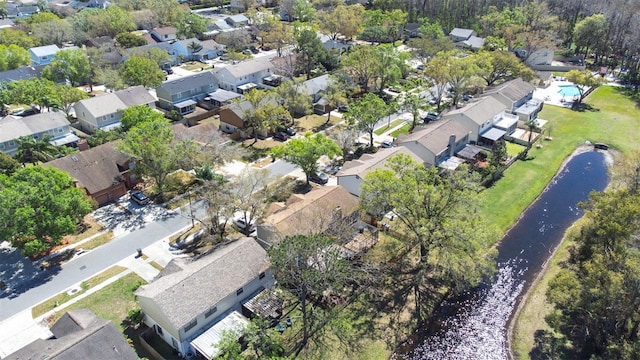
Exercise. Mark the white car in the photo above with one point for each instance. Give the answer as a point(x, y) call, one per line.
point(241, 225)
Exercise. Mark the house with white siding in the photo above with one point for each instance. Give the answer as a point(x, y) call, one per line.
point(244, 75)
point(183, 93)
point(37, 126)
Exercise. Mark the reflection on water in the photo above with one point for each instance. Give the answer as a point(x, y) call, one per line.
point(474, 325)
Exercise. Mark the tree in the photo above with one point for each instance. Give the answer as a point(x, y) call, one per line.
point(388, 65)
point(13, 57)
point(66, 96)
point(190, 25)
point(251, 194)
point(235, 40)
point(265, 111)
point(193, 48)
point(294, 99)
point(138, 114)
point(437, 211)
point(17, 37)
point(494, 66)
point(584, 80)
point(108, 22)
point(310, 266)
point(142, 71)
point(129, 40)
point(72, 65)
point(361, 65)
point(345, 20)
point(303, 11)
point(306, 151)
point(159, 56)
point(221, 207)
point(310, 51)
point(344, 136)
point(413, 104)
point(335, 95)
point(460, 75)
point(150, 142)
point(34, 151)
point(54, 32)
point(590, 35)
point(365, 113)
point(8, 165)
point(38, 205)
point(34, 91)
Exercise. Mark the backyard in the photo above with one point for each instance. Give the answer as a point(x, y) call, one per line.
point(613, 119)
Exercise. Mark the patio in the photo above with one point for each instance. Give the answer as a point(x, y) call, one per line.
point(551, 94)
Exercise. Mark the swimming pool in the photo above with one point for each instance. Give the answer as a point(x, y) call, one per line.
point(569, 91)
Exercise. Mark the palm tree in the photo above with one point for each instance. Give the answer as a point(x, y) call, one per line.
point(33, 151)
point(532, 125)
point(193, 47)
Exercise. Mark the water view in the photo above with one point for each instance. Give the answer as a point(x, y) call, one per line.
point(474, 326)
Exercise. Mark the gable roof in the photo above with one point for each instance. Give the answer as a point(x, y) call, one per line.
point(513, 90)
point(79, 335)
point(22, 73)
point(478, 111)
point(237, 18)
point(370, 162)
point(104, 104)
point(315, 85)
point(95, 169)
point(187, 83)
point(206, 44)
point(44, 50)
point(287, 218)
point(135, 95)
point(193, 286)
point(248, 67)
point(165, 30)
point(435, 138)
point(461, 33)
point(13, 127)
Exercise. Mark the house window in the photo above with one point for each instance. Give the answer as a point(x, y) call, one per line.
point(35, 136)
point(60, 130)
point(1, 145)
point(12, 143)
point(261, 276)
point(190, 325)
point(44, 58)
point(240, 291)
point(175, 343)
point(52, 132)
point(158, 330)
point(111, 116)
point(211, 311)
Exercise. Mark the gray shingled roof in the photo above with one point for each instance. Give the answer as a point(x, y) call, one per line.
point(462, 33)
point(248, 67)
point(187, 83)
point(104, 104)
point(479, 111)
point(45, 50)
point(22, 73)
point(183, 295)
point(315, 85)
point(370, 162)
point(435, 138)
point(513, 90)
point(135, 95)
point(79, 335)
point(13, 127)
point(96, 169)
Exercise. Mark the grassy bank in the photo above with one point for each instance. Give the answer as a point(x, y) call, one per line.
point(613, 119)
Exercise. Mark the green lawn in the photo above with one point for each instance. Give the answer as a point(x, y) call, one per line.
point(614, 119)
point(403, 130)
point(393, 124)
point(514, 149)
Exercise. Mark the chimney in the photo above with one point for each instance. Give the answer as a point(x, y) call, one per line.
point(452, 144)
point(83, 145)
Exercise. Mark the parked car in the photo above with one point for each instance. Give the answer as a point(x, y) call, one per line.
point(280, 135)
point(253, 49)
point(319, 178)
point(332, 169)
point(139, 197)
point(386, 144)
point(432, 116)
point(285, 129)
point(27, 112)
point(241, 225)
point(343, 108)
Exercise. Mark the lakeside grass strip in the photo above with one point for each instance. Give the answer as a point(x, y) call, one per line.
point(63, 297)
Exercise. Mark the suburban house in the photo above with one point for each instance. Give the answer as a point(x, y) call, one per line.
point(104, 172)
point(206, 50)
point(26, 11)
point(478, 117)
point(108, 45)
point(232, 116)
point(466, 38)
point(6, 23)
point(222, 97)
point(98, 4)
point(42, 55)
point(237, 21)
point(315, 212)
point(239, 5)
point(104, 111)
point(79, 334)
point(21, 73)
point(192, 302)
point(244, 75)
point(436, 142)
point(36, 126)
point(182, 94)
point(164, 46)
point(353, 172)
point(517, 96)
point(411, 30)
point(165, 34)
point(316, 88)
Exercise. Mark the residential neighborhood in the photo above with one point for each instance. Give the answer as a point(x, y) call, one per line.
point(318, 179)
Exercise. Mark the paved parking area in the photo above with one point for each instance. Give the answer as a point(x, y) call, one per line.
point(125, 215)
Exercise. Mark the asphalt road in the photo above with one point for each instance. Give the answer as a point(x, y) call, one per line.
point(48, 283)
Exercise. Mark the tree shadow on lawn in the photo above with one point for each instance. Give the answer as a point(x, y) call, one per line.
point(630, 93)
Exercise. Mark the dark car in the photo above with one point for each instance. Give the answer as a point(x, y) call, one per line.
point(343, 108)
point(432, 116)
point(254, 50)
point(27, 112)
point(280, 135)
point(139, 197)
point(319, 178)
point(285, 129)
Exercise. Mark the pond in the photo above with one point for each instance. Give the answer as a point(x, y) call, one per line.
point(473, 326)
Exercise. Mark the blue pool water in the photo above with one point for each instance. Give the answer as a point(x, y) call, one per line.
point(569, 90)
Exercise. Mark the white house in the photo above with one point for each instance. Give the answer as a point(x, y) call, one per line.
point(517, 96)
point(206, 50)
point(105, 111)
point(192, 302)
point(164, 34)
point(42, 55)
point(36, 126)
point(478, 116)
point(436, 142)
point(244, 75)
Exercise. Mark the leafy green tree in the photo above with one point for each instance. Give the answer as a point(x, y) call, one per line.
point(413, 104)
point(100, 137)
point(129, 40)
point(66, 96)
point(388, 65)
point(584, 79)
point(72, 65)
point(8, 165)
point(366, 112)
point(303, 11)
point(32, 91)
point(277, 34)
point(310, 51)
point(34, 151)
point(38, 205)
point(265, 112)
point(361, 65)
point(345, 20)
point(142, 71)
point(306, 151)
point(294, 99)
point(335, 95)
point(498, 66)
point(108, 22)
point(193, 48)
point(190, 25)
point(17, 37)
point(136, 115)
point(159, 56)
point(437, 211)
point(13, 57)
point(54, 32)
point(151, 143)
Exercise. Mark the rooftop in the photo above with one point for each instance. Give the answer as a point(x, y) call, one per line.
point(13, 127)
